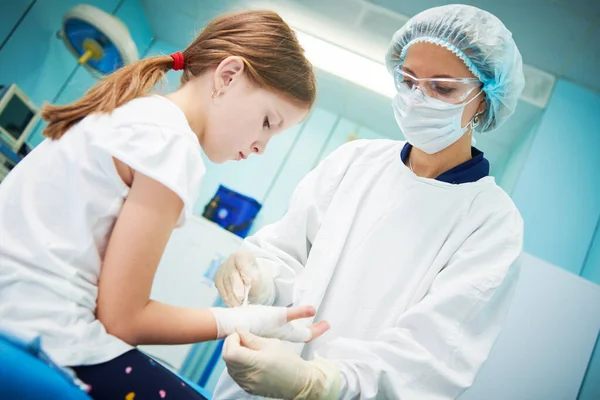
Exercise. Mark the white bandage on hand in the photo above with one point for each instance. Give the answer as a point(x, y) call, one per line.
point(269, 322)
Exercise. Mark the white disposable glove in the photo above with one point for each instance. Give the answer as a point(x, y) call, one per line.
point(273, 322)
point(269, 368)
point(241, 268)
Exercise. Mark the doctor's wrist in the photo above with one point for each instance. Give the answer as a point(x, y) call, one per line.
point(324, 382)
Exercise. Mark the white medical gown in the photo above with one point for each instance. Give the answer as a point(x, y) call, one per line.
point(415, 275)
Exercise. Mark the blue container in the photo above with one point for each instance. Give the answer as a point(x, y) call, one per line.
point(233, 211)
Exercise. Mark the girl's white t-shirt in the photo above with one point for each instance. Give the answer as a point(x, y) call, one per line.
point(57, 210)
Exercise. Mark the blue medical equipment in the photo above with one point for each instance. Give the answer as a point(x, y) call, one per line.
point(232, 211)
point(100, 41)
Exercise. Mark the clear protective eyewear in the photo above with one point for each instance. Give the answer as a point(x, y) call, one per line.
point(448, 90)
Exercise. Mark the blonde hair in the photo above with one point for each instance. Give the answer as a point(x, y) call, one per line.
point(271, 53)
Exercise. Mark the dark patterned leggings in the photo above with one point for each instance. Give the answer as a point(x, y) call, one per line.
point(134, 376)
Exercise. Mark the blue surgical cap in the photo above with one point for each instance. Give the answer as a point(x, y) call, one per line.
point(481, 41)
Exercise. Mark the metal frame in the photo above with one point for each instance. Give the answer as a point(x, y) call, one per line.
point(12, 92)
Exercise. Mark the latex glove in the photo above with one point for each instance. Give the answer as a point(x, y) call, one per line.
point(272, 322)
point(269, 368)
point(239, 269)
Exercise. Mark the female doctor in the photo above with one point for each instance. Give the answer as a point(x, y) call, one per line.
point(408, 249)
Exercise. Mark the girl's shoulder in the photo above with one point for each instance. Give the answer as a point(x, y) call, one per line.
point(148, 111)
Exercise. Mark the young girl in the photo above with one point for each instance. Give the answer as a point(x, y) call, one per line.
point(86, 216)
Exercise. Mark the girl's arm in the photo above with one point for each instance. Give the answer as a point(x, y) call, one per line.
point(135, 248)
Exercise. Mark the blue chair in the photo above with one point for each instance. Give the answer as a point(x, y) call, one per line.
point(27, 373)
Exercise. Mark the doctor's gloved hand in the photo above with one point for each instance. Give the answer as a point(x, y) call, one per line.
point(241, 268)
point(269, 368)
point(270, 322)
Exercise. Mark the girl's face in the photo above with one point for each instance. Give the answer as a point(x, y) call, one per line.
point(242, 118)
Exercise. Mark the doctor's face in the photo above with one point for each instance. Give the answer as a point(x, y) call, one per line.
point(427, 60)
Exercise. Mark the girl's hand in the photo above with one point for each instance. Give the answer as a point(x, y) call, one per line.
point(269, 322)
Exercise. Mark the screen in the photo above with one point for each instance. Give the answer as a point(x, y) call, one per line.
point(15, 117)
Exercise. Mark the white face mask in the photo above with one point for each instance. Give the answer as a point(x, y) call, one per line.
point(430, 125)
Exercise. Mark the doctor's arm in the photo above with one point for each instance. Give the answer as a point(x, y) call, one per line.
point(433, 351)
point(436, 347)
point(273, 257)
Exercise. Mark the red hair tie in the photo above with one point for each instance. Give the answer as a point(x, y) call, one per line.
point(177, 61)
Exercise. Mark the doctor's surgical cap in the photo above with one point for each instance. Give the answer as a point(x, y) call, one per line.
point(481, 41)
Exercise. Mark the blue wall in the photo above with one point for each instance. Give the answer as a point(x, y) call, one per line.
point(590, 389)
point(39, 63)
point(591, 268)
point(558, 193)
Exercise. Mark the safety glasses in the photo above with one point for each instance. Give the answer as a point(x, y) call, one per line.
point(448, 90)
